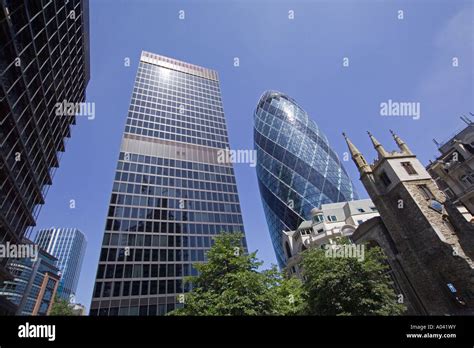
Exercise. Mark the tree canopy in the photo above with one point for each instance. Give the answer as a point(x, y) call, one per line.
point(230, 284)
point(61, 307)
point(348, 285)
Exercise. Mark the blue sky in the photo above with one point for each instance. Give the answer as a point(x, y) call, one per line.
point(406, 60)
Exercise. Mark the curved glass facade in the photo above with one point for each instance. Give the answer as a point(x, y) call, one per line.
point(296, 168)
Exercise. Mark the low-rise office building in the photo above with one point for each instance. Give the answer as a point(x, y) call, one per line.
point(34, 284)
point(326, 225)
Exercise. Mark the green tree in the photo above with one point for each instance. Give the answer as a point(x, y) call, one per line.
point(347, 285)
point(289, 295)
point(229, 284)
point(61, 307)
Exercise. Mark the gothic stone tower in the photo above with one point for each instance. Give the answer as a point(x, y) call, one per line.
point(434, 247)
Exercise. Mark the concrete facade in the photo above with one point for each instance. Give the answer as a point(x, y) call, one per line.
point(332, 221)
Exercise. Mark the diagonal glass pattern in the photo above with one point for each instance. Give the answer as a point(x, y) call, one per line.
point(296, 168)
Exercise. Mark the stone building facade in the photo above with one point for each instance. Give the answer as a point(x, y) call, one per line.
point(453, 170)
point(429, 244)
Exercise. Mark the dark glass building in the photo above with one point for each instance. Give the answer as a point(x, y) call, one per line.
point(170, 195)
point(44, 60)
point(68, 245)
point(296, 169)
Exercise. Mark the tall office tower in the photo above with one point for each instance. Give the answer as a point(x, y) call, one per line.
point(44, 60)
point(68, 245)
point(296, 169)
point(171, 193)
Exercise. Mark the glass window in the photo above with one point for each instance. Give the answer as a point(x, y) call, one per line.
point(135, 288)
point(426, 192)
point(409, 168)
point(126, 289)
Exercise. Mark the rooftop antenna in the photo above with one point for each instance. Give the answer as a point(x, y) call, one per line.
point(466, 120)
point(436, 142)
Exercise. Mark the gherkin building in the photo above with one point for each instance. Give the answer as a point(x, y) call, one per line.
point(296, 168)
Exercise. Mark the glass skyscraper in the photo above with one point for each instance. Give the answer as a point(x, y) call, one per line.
point(68, 245)
point(44, 60)
point(34, 283)
point(170, 195)
point(296, 169)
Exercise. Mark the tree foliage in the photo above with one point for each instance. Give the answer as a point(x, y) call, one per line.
point(61, 307)
point(348, 286)
point(230, 284)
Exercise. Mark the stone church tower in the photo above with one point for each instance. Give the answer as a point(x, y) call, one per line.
point(431, 244)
